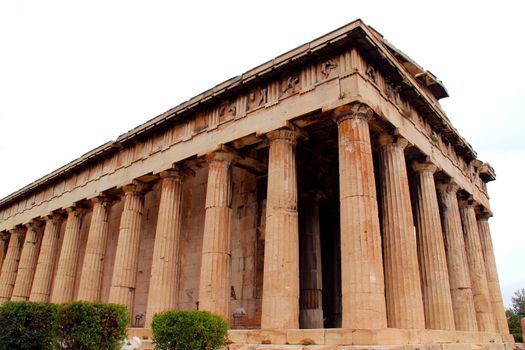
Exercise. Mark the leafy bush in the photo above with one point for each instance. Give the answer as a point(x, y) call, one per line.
point(189, 330)
point(27, 325)
point(92, 326)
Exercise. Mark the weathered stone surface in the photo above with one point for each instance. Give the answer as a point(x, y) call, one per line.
point(66, 270)
point(280, 304)
point(305, 336)
point(460, 287)
point(431, 248)
point(10, 264)
point(43, 279)
point(215, 276)
point(478, 276)
point(90, 286)
point(124, 279)
point(338, 336)
point(403, 289)
point(496, 300)
point(361, 260)
point(27, 264)
point(266, 337)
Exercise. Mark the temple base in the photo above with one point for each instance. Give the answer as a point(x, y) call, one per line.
point(355, 339)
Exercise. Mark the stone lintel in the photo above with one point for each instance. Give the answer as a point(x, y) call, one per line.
point(448, 186)
point(397, 140)
point(135, 186)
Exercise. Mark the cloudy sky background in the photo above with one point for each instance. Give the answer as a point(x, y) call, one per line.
point(75, 74)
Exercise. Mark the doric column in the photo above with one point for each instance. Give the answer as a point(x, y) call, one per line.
point(10, 265)
point(165, 264)
point(27, 264)
point(41, 289)
point(363, 297)
point(478, 276)
point(66, 270)
point(93, 267)
point(496, 300)
point(124, 279)
point(280, 304)
point(460, 287)
point(4, 242)
point(435, 284)
point(311, 268)
point(215, 280)
point(403, 286)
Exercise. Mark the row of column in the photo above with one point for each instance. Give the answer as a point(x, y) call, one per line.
point(432, 278)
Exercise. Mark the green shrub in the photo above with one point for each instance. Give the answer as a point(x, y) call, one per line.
point(189, 330)
point(92, 326)
point(26, 325)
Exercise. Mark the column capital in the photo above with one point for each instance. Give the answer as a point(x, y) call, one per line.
point(353, 110)
point(222, 156)
point(75, 210)
point(447, 187)
point(104, 199)
point(467, 203)
point(392, 140)
point(420, 167)
point(33, 224)
point(17, 231)
point(4, 235)
point(135, 186)
point(285, 134)
point(483, 214)
point(54, 217)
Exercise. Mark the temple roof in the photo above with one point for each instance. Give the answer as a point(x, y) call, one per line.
point(419, 87)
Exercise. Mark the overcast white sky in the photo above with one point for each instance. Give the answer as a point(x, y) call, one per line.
point(75, 74)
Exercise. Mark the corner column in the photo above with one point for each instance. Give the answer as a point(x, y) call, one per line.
point(311, 268)
point(460, 286)
point(280, 304)
point(403, 285)
point(41, 289)
point(165, 265)
point(435, 283)
point(215, 279)
point(27, 264)
point(362, 281)
point(93, 267)
point(66, 270)
point(124, 279)
point(496, 300)
point(10, 265)
point(478, 276)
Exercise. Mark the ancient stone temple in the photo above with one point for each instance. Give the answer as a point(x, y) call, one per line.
point(321, 198)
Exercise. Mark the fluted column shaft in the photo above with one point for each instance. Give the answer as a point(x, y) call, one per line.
point(477, 272)
point(27, 264)
point(435, 283)
point(280, 304)
point(42, 282)
point(362, 277)
point(460, 287)
point(124, 281)
point(10, 265)
point(66, 270)
point(403, 287)
point(311, 268)
point(165, 264)
point(215, 281)
point(4, 242)
point(496, 300)
point(90, 285)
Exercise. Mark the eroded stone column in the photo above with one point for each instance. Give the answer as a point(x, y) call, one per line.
point(460, 287)
point(311, 269)
point(10, 265)
point(403, 287)
point(66, 270)
point(215, 279)
point(496, 300)
point(27, 264)
point(435, 284)
point(124, 279)
point(165, 264)
point(362, 281)
point(478, 276)
point(43, 280)
point(93, 267)
point(280, 304)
